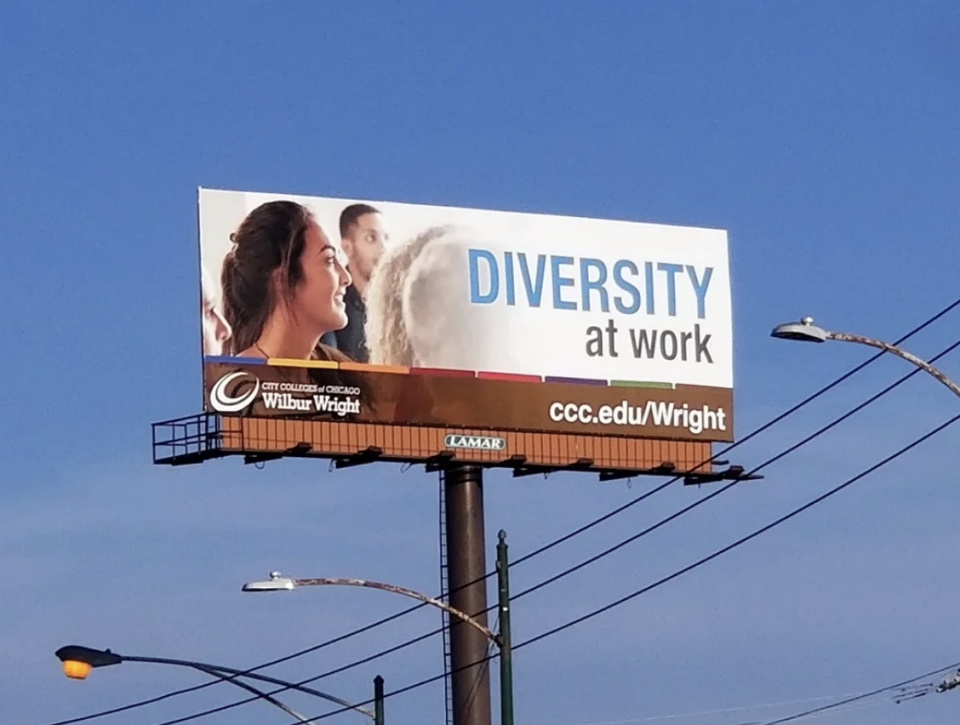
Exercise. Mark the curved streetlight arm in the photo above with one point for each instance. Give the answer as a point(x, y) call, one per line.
point(234, 673)
point(250, 688)
point(894, 350)
point(439, 603)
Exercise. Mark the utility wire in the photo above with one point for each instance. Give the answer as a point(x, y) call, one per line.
point(542, 549)
point(722, 710)
point(857, 698)
point(633, 595)
point(727, 487)
point(743, 540)
point(753, 434)
point(806, 401)
point(844, 704)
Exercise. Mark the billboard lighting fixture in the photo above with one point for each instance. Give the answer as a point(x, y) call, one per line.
point(360, 458)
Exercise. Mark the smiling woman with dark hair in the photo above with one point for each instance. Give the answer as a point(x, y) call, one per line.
point(283, 285)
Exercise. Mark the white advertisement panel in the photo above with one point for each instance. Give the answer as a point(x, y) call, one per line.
point(549, 297)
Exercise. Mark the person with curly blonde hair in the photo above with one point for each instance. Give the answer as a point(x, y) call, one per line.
point(418, 312)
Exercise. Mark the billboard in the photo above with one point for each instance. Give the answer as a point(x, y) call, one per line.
point(364, 311)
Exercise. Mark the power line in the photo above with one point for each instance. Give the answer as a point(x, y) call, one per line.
point(739, 542)
point(684, 570)
point(753, 434)
point(542, 549)
point(869, 401)
point(720, 710)
point(856, 698)
point(842, 704)
point(727, 487)
point(633, 595)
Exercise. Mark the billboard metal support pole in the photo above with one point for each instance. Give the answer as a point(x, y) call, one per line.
point(470, 678)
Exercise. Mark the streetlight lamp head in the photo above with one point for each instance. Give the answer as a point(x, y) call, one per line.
point(805, 331)
point(78, 661)
point(276, 583)
point(76, 670)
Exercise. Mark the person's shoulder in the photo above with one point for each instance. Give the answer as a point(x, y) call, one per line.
point(331, 354)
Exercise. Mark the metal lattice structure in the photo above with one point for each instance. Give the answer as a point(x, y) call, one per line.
point(191, 439)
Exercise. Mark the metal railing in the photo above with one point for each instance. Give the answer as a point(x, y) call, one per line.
point(191, 439)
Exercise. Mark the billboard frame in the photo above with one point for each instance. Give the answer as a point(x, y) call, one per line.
point(680, 273)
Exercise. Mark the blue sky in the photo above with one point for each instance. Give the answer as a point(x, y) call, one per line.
point(822, 136)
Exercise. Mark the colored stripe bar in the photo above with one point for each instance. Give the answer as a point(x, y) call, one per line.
point(445, 372)
point(293, 363)
point(234, 360)
point(368, 368)
point(510, 376)
point(640, 384)
point(574, 381)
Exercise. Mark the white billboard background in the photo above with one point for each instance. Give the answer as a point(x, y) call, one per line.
point(544, 340)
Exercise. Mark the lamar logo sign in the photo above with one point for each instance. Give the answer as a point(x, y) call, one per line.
point(483, 443)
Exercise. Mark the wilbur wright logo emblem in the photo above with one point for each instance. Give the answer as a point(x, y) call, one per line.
point(230, 402)
point(483, 443)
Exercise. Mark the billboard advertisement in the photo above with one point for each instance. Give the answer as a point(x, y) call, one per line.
point(383, 312)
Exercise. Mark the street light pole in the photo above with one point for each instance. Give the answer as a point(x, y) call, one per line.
point(277, 582)
point(806, 331)
point(378, 700)
point(78, 661)
point(506, 664)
